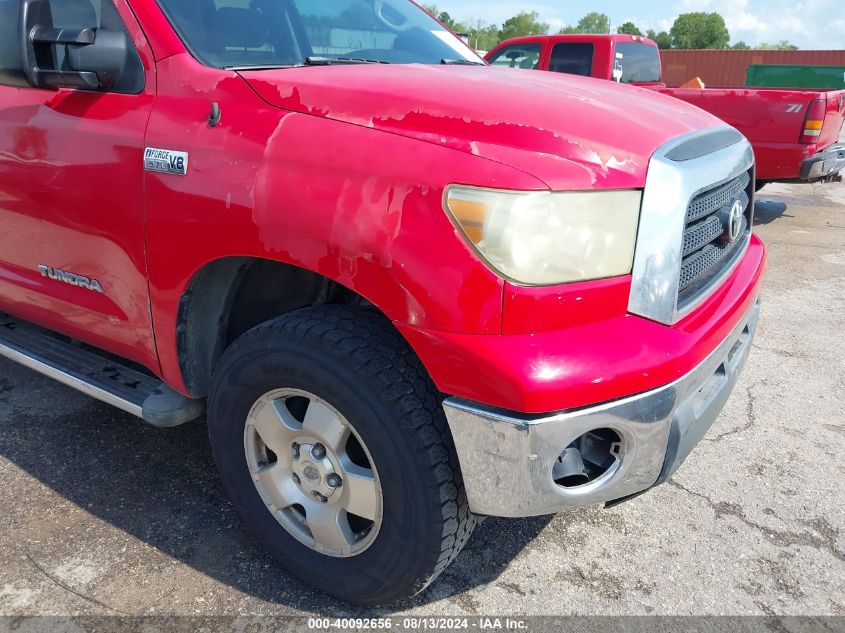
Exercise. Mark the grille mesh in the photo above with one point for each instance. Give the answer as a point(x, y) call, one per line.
point(702, 234)
point(706, 253)
point(705, 259)
point(713, 200)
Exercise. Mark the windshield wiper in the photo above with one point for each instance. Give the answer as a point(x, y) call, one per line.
point(238, 69)
point(328, 61)
point(308, 61)
point(460, 62)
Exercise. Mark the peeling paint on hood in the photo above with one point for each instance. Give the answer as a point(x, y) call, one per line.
point(571, 132)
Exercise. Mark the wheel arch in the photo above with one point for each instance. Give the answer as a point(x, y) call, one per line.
point(229, 296)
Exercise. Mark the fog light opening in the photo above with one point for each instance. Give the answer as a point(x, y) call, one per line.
point(588, 458)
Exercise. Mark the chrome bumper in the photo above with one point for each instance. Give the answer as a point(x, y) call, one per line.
point(824, 164)
point(507, 459)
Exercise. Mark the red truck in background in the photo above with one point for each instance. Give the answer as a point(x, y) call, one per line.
point(794, 132)
point(405, 295)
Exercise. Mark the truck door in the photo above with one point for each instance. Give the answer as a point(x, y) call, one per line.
point(72, 254)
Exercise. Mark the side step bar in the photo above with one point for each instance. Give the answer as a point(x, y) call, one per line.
point(130, 390)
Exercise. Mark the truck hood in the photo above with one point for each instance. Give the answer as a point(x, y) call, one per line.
point(570, 132)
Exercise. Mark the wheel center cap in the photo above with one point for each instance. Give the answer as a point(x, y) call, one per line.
point(315, 470)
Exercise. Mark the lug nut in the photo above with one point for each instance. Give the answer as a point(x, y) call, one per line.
point(334, 481)
point(318, 452)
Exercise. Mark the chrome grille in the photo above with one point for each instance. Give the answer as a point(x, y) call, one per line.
point(711, 201)
point(690, 178)
point(702, 234)
point(706, 253)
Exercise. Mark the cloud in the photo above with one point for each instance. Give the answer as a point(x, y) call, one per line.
point(555, 24)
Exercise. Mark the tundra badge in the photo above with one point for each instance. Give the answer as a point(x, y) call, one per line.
point(70, 278)
point(166, 161)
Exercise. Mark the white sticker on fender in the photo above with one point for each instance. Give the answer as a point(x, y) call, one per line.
point(166, 161)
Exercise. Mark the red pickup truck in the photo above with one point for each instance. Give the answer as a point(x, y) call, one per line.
point(407, 296)
point(794, 132)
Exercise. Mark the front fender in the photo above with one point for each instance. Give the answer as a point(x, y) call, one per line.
point(361, 207)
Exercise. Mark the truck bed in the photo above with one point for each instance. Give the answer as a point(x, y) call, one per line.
point(773, 120)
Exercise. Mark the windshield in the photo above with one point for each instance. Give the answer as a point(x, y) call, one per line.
point(274, 33)
point(640, 62)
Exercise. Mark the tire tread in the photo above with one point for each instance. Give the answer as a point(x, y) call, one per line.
point(379, 352)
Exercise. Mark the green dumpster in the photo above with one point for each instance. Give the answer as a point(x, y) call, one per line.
point(789, 76)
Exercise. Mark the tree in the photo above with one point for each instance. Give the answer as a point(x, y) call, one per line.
point(783, 45)
point(591, 23)
point(444, 17)
point(700, 30)
point(483, 36)
point(662, 39)
point(594, 22)
point(524, 23)
point(741, 46)
point(629, 28)
point(447, 20)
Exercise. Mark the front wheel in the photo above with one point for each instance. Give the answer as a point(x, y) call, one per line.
point(333, 446)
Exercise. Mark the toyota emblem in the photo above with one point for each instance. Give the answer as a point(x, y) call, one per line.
point(735, 221)
point(732, 221)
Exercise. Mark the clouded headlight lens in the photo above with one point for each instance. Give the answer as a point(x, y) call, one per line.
point(547, 238)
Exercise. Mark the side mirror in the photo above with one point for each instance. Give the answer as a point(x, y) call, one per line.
point(105, 58)
point(90, 59)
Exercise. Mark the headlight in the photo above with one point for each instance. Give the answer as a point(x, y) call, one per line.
point(545, 238)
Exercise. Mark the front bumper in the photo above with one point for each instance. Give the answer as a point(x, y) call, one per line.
point(824, 164)
point(507, 459)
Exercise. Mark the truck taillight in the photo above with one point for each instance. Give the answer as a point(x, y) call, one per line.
point(814, 122)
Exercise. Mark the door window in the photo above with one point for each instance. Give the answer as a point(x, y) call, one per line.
point(640, 62)
point(573, 58)
point(517, 56)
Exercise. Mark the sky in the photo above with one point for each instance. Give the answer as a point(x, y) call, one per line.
point(816, 24)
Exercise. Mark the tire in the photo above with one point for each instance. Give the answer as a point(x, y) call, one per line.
point(355, 364)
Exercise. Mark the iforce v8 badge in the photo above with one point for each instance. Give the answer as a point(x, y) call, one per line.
point(166, 161)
